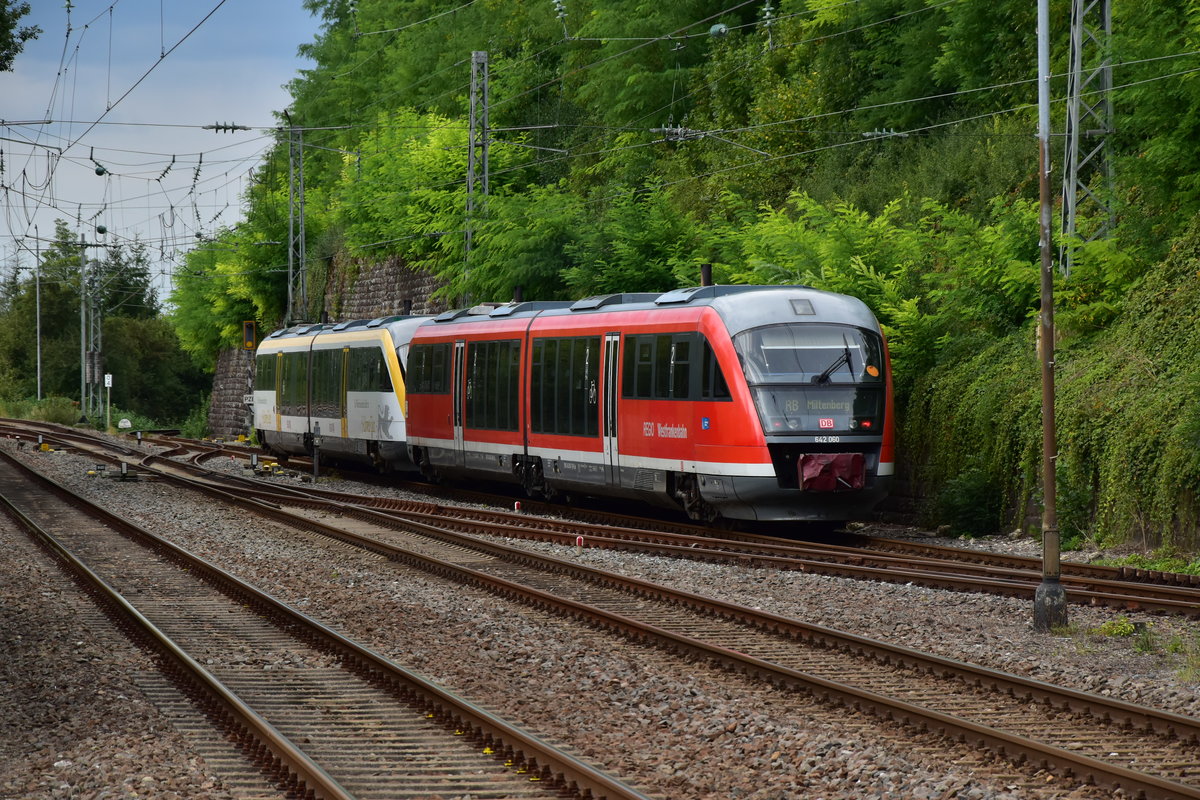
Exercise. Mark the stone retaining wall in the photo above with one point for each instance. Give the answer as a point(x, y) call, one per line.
point(228, 414)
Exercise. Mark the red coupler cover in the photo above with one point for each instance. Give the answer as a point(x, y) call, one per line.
point(831, 472)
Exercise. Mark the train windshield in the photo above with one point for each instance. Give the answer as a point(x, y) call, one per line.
point(814, 378)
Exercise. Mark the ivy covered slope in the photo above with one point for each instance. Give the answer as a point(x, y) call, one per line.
point(1131, 413)
point(1128, 422)
point(882, 148)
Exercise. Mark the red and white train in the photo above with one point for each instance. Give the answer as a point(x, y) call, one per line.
point(744, 402)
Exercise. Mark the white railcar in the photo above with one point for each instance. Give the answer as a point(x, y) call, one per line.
point(343, 383)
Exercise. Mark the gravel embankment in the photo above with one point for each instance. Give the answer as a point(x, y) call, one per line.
point(73, 724)
point(678, 730)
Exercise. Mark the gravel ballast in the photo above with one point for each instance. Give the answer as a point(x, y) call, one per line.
point(678, 730)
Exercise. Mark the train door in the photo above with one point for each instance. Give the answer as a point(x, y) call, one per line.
point(612, 347)
point(277, 410)
point(458, 382)
point(342, 390)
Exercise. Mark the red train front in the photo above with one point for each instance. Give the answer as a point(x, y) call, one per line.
point(746, 402)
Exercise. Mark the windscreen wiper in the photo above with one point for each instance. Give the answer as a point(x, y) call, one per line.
point(842, 359)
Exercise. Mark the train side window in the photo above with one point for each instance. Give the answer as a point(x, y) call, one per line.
point(661, 367)
point(383, 378)
point(681, 368)
point(294, 384)
point(508, 363)
point(326, 383)
point(427, 369)
point(662, 370)
point(586, 386)
point(541, 389)
point(264, 372)
point(629, 366)
point(492, 384)
point(441, 369)
point(564, 391)
point(378, 375)
point(712, 380)
point(474, 390)
point(368, 370)
point(643, 384)
point(544, 386)
point(566, 403)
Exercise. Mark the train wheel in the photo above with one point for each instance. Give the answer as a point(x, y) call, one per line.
point(687, 493)
point(377, 461)
point(533, 479)
point(422, 462)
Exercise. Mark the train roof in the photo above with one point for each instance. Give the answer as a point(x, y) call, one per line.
point(740, 306)
point(391, 323)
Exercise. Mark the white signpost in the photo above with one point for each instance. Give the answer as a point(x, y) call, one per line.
point(107, 400)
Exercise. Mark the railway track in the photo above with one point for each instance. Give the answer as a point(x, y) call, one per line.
point(1101, 740)
point(871, 558)
point(319, 715)
point(1092, 738)
point(881, 560)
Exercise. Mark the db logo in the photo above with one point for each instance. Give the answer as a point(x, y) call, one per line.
point(826, 422)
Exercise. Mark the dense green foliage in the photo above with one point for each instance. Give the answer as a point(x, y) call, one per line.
point(152, 375)
point(882, 148)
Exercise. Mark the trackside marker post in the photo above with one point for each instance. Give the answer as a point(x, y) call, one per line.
point(578, 545)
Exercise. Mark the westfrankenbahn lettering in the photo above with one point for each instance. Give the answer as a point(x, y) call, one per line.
point(672, 431)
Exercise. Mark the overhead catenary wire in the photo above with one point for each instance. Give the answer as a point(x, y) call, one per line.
point(41, 196)
point(146, 74)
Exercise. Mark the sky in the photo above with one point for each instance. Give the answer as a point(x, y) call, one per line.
point(151, 73)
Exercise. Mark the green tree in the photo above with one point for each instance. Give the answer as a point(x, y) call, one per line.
point(636, 242)
point(12, 37)
point(152, 375)
point(58, 276)
point(1159, 168)
point(209, 306)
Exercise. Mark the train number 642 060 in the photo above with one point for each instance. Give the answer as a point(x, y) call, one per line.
point(827, 439)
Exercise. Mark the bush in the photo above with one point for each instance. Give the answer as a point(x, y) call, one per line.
point(15, 409)
point(137, 422)
point(196, 424)
point(970, 503)
point(60, 410)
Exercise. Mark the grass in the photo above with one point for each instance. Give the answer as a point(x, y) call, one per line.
point(1165, 560)
point(1183, 651)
